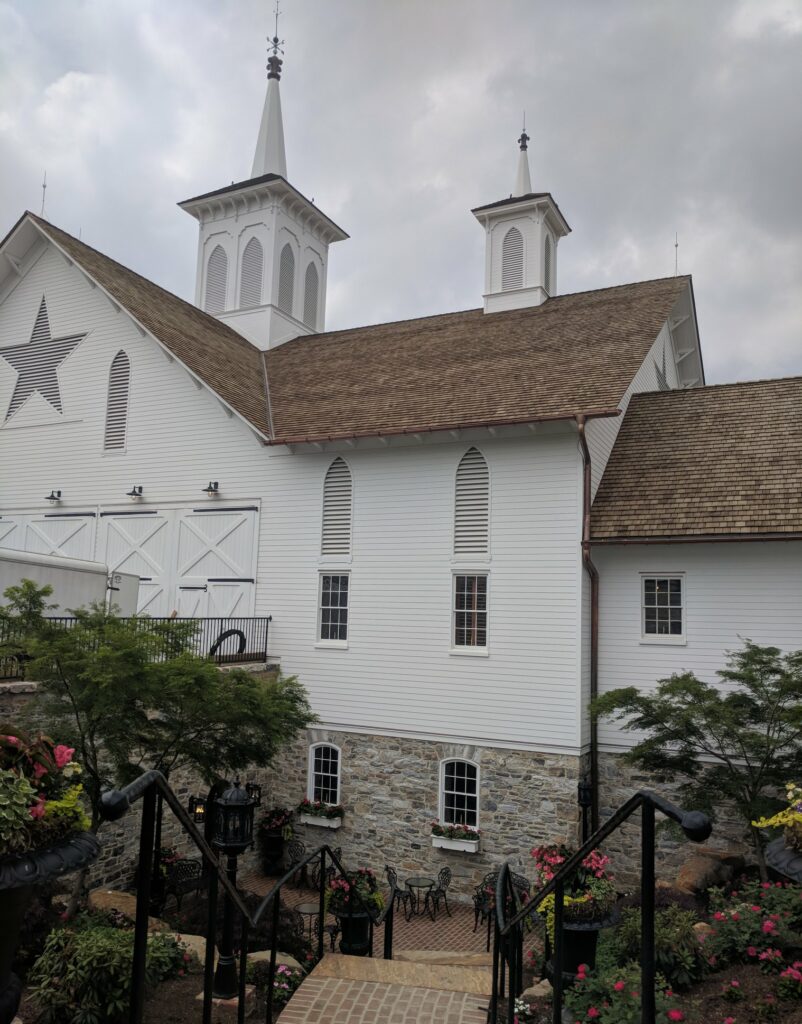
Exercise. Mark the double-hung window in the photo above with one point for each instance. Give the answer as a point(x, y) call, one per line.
point(663, 608)
point(324, 773)
point(459, 796)
point(470, 611)
point(334, 607)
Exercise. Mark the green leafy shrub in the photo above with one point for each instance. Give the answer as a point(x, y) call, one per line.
point(783, 898)
point(286, 981)
point(678, 954)
point(613, 997)
point(16, 797)
point(84, 973)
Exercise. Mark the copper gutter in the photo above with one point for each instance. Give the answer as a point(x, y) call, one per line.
point(593, 575)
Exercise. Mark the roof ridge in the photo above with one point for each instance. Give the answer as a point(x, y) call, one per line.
point(793, 378)
point(615, 287)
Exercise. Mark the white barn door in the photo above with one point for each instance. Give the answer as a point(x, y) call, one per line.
point(217, 561)
point(141, 542)
point(50, 533)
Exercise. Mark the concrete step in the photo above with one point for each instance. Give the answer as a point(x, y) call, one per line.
point(444, 957)
point(444, 978)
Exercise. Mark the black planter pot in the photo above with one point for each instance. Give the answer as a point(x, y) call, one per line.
point(580, 939)
point(19, 876)
point(354, 933)
point(271, 851)
point(785, 860)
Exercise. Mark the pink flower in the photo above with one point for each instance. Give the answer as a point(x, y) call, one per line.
point(735, 916)
point(729, 1020)
point(735, 983)
point(719, 916)
point(593, 1012)
point(768, 927)
point(676, 1015)
point(38, 809)
point(13, 740)
point(63, 755)
point(751, 951)
point(39, 770)
point(619, 986)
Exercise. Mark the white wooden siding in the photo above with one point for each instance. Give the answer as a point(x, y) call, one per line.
point(732, 592)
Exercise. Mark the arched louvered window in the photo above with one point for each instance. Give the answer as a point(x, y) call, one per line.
point(250, 289)
point(117, 405)
point(286, 278)
point(512, 260)
point(216, 279)
point(547, 261)
point(311, 289)
point(472, 505)
point(336, 539)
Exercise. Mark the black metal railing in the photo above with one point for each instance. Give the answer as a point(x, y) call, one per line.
point(148, 788)
point(227, 640)
point(513, 918)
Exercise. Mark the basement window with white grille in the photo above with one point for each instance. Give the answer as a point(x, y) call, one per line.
point(459, 793)
point(334, 608)
point(472, 505)
point(286, 279)
point(663, 609)
point(470, 612)
point(324, 774)
point(336, 534)
point(250, 289)
point(117, 404)
point(547, 264)
point(512, 260)
point(311, 289)
point(216, 281)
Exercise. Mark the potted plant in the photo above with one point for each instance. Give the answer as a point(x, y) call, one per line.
point(43, 834)
point(274, 827)
point(354, 899)
point(315, 812)
point(588, 905)
point(455, 837)
point(784, 854)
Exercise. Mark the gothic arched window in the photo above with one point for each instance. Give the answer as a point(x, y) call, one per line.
point(250, 289)
point(512, 260)
point(311, 290)
point(216, 279)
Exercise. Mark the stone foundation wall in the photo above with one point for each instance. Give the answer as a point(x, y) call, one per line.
point(389, 788)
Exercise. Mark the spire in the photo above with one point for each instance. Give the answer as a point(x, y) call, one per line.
point(270, 157)
point(523, 183)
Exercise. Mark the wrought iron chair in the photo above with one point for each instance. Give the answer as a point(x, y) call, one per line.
point(484, 898)
point(296, 851)
point(440, 891)
point(402, 897)
point(184, 876)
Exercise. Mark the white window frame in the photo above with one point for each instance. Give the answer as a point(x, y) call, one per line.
point(441, 804)
point(670, 639)
point(310, 774)
point(319, 641)
point(468, 650)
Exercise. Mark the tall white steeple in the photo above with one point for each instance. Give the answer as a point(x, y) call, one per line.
point(270, 157)
point(263, 248)
point(521, 237)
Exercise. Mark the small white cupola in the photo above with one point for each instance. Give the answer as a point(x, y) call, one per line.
point(521, 238)
point(263, 248)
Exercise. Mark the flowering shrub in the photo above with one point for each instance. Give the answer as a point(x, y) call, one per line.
point(320, 810)
point(679, 957)
point(790, 984)
point(286, 980)
point(363, 883)
point(39, 803)
point(743, 931)
point(790, 817)
point(731, 991)
point(464, 832)
point(589, 896)
point(613, 997)
point(783, 898)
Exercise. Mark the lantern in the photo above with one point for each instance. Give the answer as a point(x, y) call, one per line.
point(233, 820)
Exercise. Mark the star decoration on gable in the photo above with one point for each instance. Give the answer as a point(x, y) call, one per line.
point(662, 379)
point(37, 363)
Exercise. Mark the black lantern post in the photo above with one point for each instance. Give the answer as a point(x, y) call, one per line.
point(232, 834)
point(584, 796)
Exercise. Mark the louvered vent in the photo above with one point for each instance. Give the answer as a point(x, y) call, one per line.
point(117, 407)
point(472, 505)
point(311, 289)
point(337, 510)
point(216, 276)
point(250, 289)
point(286, 278)
point(547, 265)
point(41, 329)
point(512, 260)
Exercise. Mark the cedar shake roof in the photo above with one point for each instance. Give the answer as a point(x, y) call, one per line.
point(573, 354)
point(221, 358)
point(711, 461)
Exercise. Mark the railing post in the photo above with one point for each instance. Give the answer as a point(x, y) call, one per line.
point(557, 981)
point(243, 971)
point(271, 977)
point(648, 1010)
point(496, 952)
point(321, 904)
point(211, 941)
point(389, 923)
point(146, 837)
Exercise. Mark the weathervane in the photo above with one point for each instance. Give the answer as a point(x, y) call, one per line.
point(676, 253)
point(44, 189)
point(522, 141)
point(274, 61)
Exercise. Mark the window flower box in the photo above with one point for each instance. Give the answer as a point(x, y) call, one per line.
point(318, 822)
point(456, 837)
point(315, 812)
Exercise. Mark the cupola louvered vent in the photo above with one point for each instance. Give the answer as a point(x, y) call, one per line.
point(336, 538)
point(216, 278)
point(250, 289)
point(547, 261)
point(286, 278)
point(472, 505)
point(117, 406)
point(311, 289)
point(512, 260)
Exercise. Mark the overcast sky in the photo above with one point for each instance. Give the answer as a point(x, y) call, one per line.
point(646, 117)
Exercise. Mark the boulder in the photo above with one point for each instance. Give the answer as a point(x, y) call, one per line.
point(703, 931)
point(541, 990)
point(707, 867)
point(124, 903)
point(196, 946)
point(281, 958)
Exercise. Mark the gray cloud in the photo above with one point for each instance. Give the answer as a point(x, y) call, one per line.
point(646, 118)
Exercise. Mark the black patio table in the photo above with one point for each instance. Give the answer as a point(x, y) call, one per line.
point(417, 885)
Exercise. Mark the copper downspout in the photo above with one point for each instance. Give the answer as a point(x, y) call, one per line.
point(593, 575)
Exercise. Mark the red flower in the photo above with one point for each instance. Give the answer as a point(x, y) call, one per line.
point(676, 1015)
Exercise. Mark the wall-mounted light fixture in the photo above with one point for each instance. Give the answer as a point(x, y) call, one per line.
point(54, 497)
point(212, 488)
point(135, 492)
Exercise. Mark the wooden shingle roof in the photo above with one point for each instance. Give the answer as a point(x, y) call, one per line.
point(714, 461)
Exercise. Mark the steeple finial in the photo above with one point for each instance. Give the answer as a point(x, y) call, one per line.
point(523, 183)
point(270, 157)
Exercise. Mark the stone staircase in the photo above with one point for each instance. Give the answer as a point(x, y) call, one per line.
point(418, 987)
